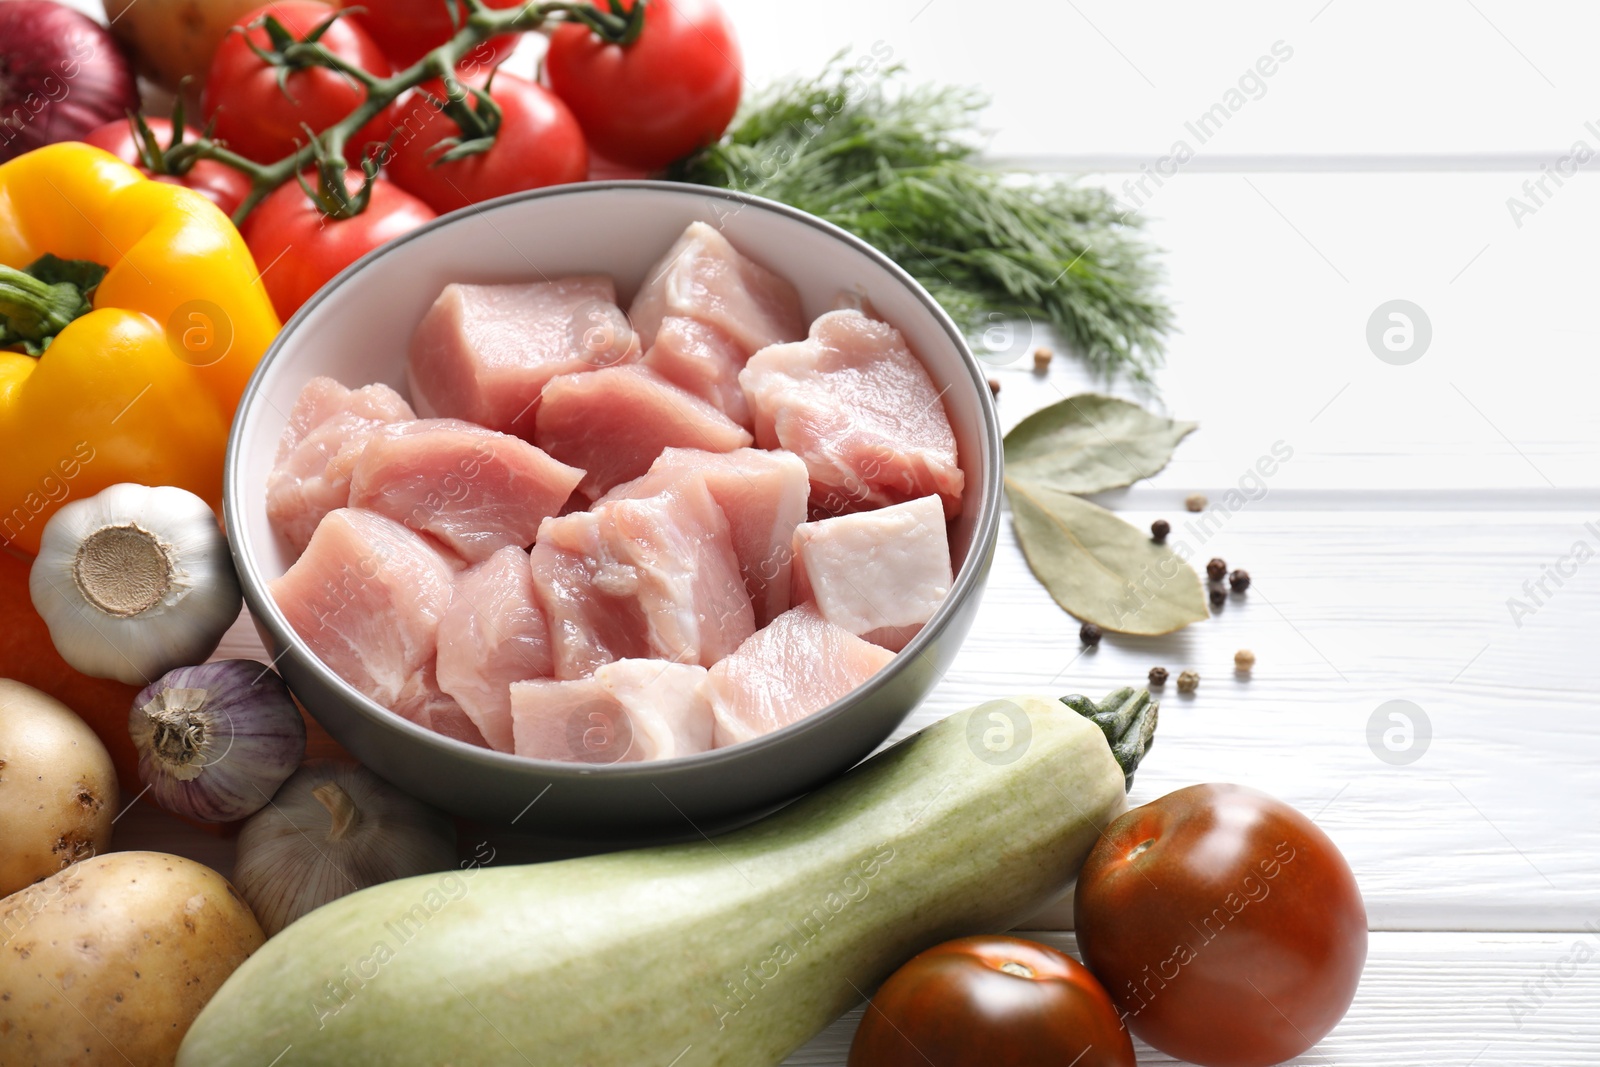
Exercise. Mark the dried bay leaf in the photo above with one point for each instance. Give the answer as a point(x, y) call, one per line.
point(1100, 568)
point(1096, 566)
point(1089, 443)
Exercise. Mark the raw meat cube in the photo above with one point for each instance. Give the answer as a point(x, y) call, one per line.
point(763, 494)
point(855, 404)
point(328, 427)
point(476, 490)
point(573, 721)
point(666, 705)
point(629, 711)
point(704, 277)
point(591, 617)
point(492, 634)
point(795, 667)
point(703, 360)
point(879, 574)
point(425, 704)
point(483, 352)
point(688, 582)
point(613, 423)
point(367, 596)
point(651, 577)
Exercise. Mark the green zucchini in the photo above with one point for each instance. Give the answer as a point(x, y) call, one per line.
point(730, 952)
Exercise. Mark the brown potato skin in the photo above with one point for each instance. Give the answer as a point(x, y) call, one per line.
point(58, 787)
point(109, 961)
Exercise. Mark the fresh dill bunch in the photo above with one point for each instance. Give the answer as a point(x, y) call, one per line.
point(897, 166)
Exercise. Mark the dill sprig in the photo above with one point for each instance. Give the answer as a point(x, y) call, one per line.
point(898, 166)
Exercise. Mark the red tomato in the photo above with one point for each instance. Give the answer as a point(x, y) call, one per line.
point(652, 102)
point(217, 182)
point(299, 249)
point(1226, 926)
point(994, 1001)
point(263, 122)
point(538, 143)
point(407, 30)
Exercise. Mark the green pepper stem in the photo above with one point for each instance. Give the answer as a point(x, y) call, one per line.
point(1128, 719)
point(35, 310)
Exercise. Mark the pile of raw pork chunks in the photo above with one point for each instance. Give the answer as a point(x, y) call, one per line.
point(605, 537)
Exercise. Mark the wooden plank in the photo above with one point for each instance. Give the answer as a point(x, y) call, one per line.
point(1489, 828)
point(1095, 76)
point(1275, 278)
point(1426, 1000)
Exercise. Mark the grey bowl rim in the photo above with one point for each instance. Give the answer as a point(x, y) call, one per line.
point(968, 582)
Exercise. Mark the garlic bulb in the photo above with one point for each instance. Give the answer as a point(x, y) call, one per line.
point(135, 581)
point(216, 741)
point(332, 829)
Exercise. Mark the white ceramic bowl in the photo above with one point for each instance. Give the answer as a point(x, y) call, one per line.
point(356, 331)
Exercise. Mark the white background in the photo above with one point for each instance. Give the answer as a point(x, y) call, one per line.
point(1374, 164)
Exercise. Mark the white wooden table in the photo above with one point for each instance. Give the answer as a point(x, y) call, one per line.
point(1375, 165)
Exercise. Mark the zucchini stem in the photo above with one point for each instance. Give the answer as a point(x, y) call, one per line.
point(1128, 718)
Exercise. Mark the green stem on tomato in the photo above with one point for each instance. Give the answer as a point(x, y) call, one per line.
point(324, 58)
point(481, 24)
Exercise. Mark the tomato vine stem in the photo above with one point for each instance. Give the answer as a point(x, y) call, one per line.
point(611, 23)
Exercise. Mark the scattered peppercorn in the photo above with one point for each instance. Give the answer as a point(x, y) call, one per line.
point(1240, 580)
point(1188, 682)
point(1041, 359)
point(994, 386)
point(1089, 634)
point(1219, 596)
point(1216, 570)
point(1158, 676)
point(1243, 660)
point(1159, 530)
point(1196, 502)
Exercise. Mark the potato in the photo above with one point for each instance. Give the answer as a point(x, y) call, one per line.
point(173, 38)
point(109, 961)
point(58, 788)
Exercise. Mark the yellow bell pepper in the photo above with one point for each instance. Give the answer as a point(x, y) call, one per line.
point(142, 384)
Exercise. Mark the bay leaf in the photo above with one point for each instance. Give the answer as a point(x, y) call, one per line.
point(1100, 568)
point(1089, 443)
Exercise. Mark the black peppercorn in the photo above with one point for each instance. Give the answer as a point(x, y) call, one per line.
point(1240, 580)
point(1158, 676)
point(1159, 530)
point(1216, 570)
point(1219, 597)
point(1089, 634)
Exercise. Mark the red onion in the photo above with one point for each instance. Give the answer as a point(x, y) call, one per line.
point(61, 75)
point(216, 741)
